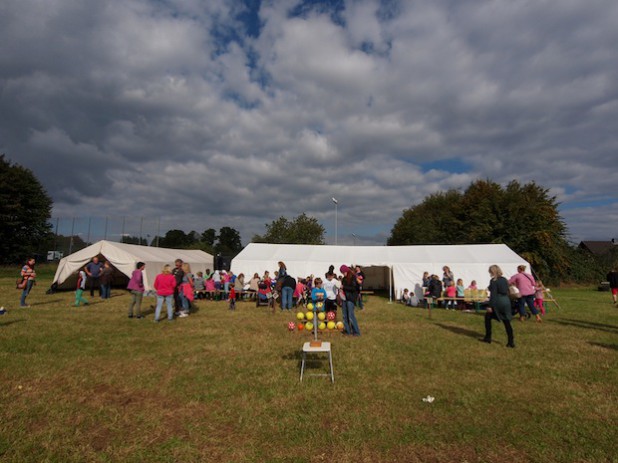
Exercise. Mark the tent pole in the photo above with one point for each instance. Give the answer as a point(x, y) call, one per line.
point(390, 285)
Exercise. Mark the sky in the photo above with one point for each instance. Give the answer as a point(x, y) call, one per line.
point(192, 115)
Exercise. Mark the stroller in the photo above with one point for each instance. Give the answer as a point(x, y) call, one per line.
point(265, 296)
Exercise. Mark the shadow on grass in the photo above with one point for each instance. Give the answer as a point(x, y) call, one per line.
point(461, 331)
point(10, 322)
point(587, 325)
point(53, 301)
point(605, 346)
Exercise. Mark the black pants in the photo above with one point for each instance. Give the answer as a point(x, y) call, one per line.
point(94, 282)
point(507, 326)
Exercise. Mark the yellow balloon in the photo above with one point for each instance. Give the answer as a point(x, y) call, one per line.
point(322, 326)
point(300, 316)
point(331, 325)
point(321, 315)
point(309, 326)
point(310, 306)
point(309, 315)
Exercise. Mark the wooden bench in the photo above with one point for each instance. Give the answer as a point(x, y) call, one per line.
point(471, 296)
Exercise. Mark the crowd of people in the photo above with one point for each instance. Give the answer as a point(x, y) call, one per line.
point(178, 287)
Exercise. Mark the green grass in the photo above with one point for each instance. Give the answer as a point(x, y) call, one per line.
point(88, 384)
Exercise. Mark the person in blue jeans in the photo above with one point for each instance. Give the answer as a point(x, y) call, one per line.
point(28, 276)
point(350, 286)
point(288, 285)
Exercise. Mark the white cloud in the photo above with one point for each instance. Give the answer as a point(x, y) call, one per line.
point(179, 114)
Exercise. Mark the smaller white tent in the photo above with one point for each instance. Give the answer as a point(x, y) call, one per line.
point(124, 257)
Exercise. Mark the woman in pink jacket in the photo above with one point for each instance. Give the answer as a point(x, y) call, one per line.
point(164, 284)
point(527, 287)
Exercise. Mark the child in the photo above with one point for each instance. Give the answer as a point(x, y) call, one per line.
point(318, 294)
point(460, 289)
point(450, 293)
point(473, 285)
point(164, 285)
point(81, 286)
point(232, 298)
point(299, 292)
point(405, 297)
point(538, 296)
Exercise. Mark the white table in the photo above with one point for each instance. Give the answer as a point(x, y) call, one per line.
point(323, 348)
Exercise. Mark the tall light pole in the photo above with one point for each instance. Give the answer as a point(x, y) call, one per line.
point(336, 203)
point(354, 236)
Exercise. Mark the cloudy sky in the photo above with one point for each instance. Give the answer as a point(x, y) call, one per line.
point(203, 114)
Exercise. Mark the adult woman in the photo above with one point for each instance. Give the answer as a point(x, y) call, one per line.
point(526, 285)
point(239, 285)
point(350, 286)
point(28, 276)
point(164, 284)
point(105, 277)
point(283, 270)
point(136, 286)
point(187, 290)
point(499, 306)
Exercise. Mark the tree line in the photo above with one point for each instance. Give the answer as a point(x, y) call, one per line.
point(525, 217)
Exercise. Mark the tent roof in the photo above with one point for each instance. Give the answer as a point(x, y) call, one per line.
point(124, 257)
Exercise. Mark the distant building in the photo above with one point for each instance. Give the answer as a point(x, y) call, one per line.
point(598, 248)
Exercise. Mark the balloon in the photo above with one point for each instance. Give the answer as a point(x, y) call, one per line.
point(340, 326)
point(309, 326)
point(301, 327)
point(309, 315)
point(310, 306)
point(300, 316)
point(291, 326)
point(321, 316)
point(322, 326)
point(331, 316)
point(331, 325)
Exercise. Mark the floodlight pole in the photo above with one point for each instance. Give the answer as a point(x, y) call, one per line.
point(354, 236)
point(336, 204)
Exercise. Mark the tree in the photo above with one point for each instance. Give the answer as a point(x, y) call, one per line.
point(175, 239)
point(301, 230)
point(229, 242)
point(25, 209)
point(524, 217)
point(209, 236)
point(134, 240)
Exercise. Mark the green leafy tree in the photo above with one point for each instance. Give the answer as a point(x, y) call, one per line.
point(301, 230)
point(209, 237)
point(175, 239)
point(229, 243)
point(524, 217)
point(25, 209)
point(134, 240)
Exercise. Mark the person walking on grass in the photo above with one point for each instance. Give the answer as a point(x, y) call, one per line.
point(136, 286)
point(81, 286)
point(164, 285)
point(499, 307)
point(612, 278)
point(28, 278)
point(526, 285)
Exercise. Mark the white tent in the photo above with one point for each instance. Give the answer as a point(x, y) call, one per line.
point(124, 257)
point(402, 266)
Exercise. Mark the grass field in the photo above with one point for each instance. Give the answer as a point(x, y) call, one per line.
point(89, 384)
